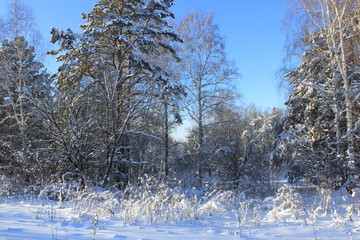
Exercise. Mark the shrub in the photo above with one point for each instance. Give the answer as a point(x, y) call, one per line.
point(287, 205)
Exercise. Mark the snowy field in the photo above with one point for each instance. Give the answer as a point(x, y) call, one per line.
point(287, 216)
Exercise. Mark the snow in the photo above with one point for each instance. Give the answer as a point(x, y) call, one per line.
point(35, 218)
point(46, 221)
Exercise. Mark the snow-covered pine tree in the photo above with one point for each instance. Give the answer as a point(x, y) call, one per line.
point(23, 84)
point(313, 123)
point(110, 60)
point(321, 127)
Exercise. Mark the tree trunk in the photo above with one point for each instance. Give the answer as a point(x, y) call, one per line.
point(166, 140)
point(343, 69)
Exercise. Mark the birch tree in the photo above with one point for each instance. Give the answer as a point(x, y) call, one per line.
point(24, 84)
point(338, 24)
point(207, 72)
point(324, 104)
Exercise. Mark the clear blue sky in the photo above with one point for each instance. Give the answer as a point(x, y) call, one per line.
point(252, 31)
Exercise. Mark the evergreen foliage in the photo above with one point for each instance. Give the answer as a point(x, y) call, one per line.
point(321, 127)
point(23, 86)
point(107, 80)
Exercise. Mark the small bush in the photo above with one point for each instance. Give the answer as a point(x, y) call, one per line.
point(287, 205)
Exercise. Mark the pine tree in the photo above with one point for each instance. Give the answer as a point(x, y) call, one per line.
point(23, 84)
point(320, 129)
point(110, 64)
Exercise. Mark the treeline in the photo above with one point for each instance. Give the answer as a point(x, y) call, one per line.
point(106, 116)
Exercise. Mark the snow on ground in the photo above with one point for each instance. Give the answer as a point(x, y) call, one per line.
point(27, 221)
point(31, 218)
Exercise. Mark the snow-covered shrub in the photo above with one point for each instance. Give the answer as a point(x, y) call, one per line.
point(86, 203)
point(6, 186)
point(156, 202)
point(218, 202)
point(287, 205)
point(242, 215)
point(256, 215)
point(338, 220)
point(96, 202)
point(60, 191)
point(313, 214)
point(12, 187)
point(343, 209)
point(325, 193)
point(248, 214)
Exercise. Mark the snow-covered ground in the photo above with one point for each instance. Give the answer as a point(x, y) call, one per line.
point(283, 217)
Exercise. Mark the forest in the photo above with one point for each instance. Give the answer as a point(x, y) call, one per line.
point(105, 119)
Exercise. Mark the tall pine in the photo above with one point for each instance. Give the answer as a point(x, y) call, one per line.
point(107, 68)
point(23, 85)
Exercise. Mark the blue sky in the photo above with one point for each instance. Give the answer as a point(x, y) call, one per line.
point(252, 31)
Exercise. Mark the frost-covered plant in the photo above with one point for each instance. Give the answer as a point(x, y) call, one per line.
point(313, 218)
point(350, 212)
point(256, 215)
point(287, 205)
point(218, 202)
point(156, 202)
point(355, 203)
point(53, 222)
point(50, 214)
point(96, 225)
point(12, 187)
point(86, 204)
point(242, 216)
point(60, 191)
point(338, 220)
point(6, 186)
point(248, 214)
point(96, 202)
point(326, 199)
point(84, 201)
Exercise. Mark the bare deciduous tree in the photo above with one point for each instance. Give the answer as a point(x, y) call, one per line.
point(207, 72)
